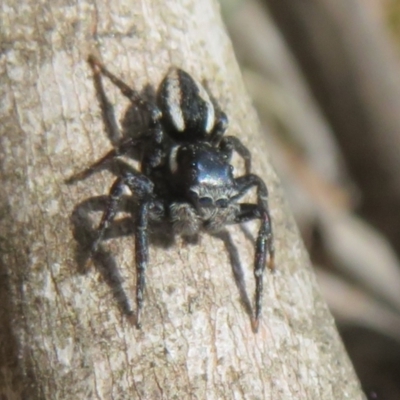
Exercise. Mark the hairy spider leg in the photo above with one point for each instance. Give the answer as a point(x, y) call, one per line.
point(264, 242)
point(137, 183)
point(231, 143)
point(155, 135)
point(127, 91)
point(141, 186)
point(109, 213)
point(141, 255)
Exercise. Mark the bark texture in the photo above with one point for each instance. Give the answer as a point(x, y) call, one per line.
point(64, 334)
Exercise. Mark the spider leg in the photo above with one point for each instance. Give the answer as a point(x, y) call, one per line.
point(155, 136)
point(137, 183)
point(264, 243)
point(148, 207)
point(141, 255)
point(153, 150)
point(143, 188)
point(114, 198)
point(229, 144)
point(127, 91)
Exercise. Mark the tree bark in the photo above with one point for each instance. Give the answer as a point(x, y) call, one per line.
point(66, 335)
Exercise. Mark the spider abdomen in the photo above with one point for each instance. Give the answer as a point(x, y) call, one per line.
point(186, 106)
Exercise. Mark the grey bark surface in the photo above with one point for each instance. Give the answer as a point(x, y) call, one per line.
point(62, 333)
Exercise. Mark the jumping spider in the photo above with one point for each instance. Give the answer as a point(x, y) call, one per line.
point(185, 177)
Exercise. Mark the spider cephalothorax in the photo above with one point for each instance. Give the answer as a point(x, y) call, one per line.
point(185, 176)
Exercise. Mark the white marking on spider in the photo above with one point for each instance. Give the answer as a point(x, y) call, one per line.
point(173, 164)
point(174, 100)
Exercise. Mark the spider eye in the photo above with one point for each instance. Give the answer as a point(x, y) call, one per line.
point(222, 203)
point(205, 201)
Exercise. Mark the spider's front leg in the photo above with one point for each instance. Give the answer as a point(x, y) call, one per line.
point(142, 187)
point(141, 255)
point(264, 243)
point(137, 183)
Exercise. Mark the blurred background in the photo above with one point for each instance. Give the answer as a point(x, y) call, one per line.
point(324, 76)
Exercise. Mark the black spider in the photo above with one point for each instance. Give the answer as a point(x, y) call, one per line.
point(186, 178)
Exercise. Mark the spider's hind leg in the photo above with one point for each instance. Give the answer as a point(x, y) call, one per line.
point(133, 96)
